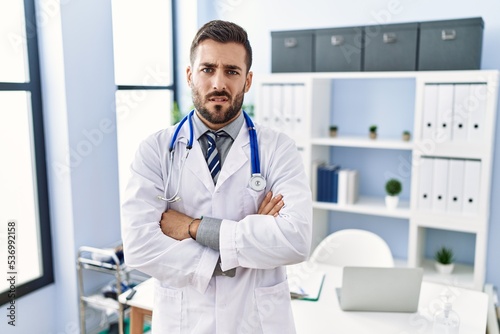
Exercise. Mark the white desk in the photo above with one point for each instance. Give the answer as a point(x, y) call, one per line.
point(325, 315)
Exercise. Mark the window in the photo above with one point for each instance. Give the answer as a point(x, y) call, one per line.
point(143, 43)
point(25, 253)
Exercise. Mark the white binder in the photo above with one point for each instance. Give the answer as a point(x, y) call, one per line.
point(353, 187)
point(299, 110)
point(287, 110)
point(426, 168)
point(277, 108)
point(440, 185)
point(444, 113)
point(455, 186)
point(472, 181)
point(477, 112)
point(267, 104)
point(460, 113)
point(429, 114)
point(342, 188)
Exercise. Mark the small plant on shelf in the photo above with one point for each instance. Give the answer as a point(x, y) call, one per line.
point(393, 188)
point(333, 130)
point(444, 260)
point(406, 135)
point(373, 132)
point(444, 255)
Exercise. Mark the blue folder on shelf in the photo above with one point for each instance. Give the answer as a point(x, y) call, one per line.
point(327, 178)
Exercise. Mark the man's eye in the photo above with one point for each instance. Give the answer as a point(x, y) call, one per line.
point(232, 72)
point(207, 70)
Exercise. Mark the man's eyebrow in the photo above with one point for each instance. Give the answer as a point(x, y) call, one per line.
point(232, 67)
point(207, 64)
point(213, 65)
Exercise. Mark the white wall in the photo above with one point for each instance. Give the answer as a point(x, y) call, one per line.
point(89, 154)
point(260, 17)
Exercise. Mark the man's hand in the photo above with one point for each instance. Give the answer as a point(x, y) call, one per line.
point(271, 205)
point(175, 225)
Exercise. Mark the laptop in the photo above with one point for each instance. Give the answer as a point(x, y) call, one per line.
point(379, 289)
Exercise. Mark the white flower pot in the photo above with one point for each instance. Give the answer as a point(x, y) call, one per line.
point(391, 202)
point(445, 269)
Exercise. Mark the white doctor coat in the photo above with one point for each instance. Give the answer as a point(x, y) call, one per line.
point(188, 299)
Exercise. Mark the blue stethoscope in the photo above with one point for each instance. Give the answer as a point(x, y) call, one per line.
point(257, 181)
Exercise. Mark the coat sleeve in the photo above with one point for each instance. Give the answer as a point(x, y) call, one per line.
point(263, 241)
point(175, 263)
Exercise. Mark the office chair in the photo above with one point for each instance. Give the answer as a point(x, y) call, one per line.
point(353, 247)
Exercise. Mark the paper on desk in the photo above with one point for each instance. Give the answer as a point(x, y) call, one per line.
point(307, 286)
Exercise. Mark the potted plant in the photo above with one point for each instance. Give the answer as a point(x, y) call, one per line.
point(373, 132)
point(333, 130)
point(392, 187)
point(406, 135)
point(444, 260)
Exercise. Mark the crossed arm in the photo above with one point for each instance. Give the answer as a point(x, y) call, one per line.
point(180, 226)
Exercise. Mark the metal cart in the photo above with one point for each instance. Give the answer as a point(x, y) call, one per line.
point(89, 259)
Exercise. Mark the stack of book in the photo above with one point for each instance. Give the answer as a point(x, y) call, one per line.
point(335, 184)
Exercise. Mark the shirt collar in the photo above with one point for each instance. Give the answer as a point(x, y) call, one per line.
point(232, 129)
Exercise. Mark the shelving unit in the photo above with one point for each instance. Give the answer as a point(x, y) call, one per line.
point(302, 105)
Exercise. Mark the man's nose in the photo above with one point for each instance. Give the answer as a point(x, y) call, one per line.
point(219, 81)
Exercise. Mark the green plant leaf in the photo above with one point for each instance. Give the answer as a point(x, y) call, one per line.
point(393, 187)
point(444, 255)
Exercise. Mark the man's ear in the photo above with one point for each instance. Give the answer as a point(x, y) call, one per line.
point(189, 75)
point(248, 81)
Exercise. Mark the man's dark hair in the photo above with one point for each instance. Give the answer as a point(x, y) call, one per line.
point(222, 32)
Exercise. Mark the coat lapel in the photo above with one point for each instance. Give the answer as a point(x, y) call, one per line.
point(196, 164)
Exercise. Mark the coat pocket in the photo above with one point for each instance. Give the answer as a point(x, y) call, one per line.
point(275, 309)
point(167, 314)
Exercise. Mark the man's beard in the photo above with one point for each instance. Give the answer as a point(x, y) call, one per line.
point(218, 116)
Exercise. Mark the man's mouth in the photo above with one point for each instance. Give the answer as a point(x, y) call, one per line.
point(218, 99)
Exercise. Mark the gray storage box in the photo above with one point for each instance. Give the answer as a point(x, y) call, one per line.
point(292, 51)
point(451, 44)
point(391, 47)
point(338, 49)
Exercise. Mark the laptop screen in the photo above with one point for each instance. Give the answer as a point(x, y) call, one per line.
point(380, 289)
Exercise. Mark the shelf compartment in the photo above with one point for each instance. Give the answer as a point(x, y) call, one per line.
point(367, 205)
point(446, 221)
point(363, 142)
point(462, 275)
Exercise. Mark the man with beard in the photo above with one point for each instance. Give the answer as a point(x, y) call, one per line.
point(215, 243)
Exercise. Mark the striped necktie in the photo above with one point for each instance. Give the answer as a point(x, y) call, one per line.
point(213, 157)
